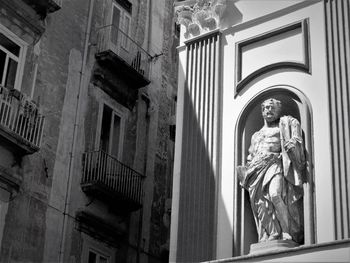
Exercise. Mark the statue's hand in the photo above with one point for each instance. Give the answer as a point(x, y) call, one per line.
point(289, 145)
point(241, 173)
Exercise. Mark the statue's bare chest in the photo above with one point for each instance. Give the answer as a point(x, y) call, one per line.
point(268, 140)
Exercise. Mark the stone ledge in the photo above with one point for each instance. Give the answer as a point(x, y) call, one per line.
point(99, 228)
point(291, 254)
point(272, 246)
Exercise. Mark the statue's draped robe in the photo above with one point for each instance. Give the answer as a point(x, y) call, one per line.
point(263, 167)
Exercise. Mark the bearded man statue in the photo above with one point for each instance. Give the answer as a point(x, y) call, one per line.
point(273, 176)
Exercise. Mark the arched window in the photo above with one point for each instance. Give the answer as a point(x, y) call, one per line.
point(295, 104)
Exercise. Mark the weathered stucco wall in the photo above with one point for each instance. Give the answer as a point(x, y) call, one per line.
point(41, 223)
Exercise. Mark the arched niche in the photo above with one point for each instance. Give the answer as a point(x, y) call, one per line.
point(294, 103)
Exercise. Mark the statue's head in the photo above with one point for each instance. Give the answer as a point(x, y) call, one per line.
point(271, 109)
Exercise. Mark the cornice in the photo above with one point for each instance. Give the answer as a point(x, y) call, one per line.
point(24, 13)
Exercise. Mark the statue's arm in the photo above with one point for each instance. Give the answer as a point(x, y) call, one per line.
point(294, 146)
point(251, 150)
point(296, 131)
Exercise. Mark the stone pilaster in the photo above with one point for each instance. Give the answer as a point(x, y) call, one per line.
point(197, 157)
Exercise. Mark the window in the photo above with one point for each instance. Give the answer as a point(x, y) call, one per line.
point(112, 132)
point(4, 199)
point(96, 251)
point(125, 39)
point(96, 257)
point(120, 26)
point(12, 53)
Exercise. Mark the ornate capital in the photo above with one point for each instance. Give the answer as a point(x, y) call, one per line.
point(200, 16)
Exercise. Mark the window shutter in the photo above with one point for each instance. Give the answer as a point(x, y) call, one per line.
point(115, 25)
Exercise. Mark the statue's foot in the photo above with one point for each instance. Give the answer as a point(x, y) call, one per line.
point(274, 237)
point(286, 236)
point(264, 237)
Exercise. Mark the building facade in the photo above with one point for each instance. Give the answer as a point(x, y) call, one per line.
point(87, 106)
point(233, 55)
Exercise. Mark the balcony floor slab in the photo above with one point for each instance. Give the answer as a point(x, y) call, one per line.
point(116, 200)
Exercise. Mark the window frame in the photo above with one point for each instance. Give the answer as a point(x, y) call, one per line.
point(4, 202)
point(123, 41)
point(122, 116)
point(98, 254)
point(21, 57)
point(97, 247)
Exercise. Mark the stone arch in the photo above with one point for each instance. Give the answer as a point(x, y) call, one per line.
point(296, 104)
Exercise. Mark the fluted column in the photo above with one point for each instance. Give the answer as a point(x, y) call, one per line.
point(197, 153)
point(338, 52)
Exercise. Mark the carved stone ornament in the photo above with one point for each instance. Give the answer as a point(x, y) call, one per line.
point(203, 16)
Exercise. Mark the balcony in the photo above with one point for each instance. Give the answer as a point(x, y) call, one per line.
point(108, 231)
point(117, 51)
point(43, 7)
point(106, 178)
point(21, 122)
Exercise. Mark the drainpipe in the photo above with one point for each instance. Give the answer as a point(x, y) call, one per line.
point(75, 132)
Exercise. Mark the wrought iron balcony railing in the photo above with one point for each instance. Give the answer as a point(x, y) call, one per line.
point(20, 119)
point(117, 180)
point(112, 38)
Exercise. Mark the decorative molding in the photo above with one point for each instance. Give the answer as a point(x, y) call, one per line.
point(299, 65)
point(280, 255)
point(207, 35)
point(200, 16)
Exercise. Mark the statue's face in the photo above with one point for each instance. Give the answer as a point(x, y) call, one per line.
point(270, 111)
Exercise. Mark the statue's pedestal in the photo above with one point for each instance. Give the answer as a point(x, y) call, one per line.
point(269, 246)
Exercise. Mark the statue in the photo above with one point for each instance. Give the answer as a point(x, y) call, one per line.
point(273, 176)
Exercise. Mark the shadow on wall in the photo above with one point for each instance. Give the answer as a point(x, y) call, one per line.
point(198, 195)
